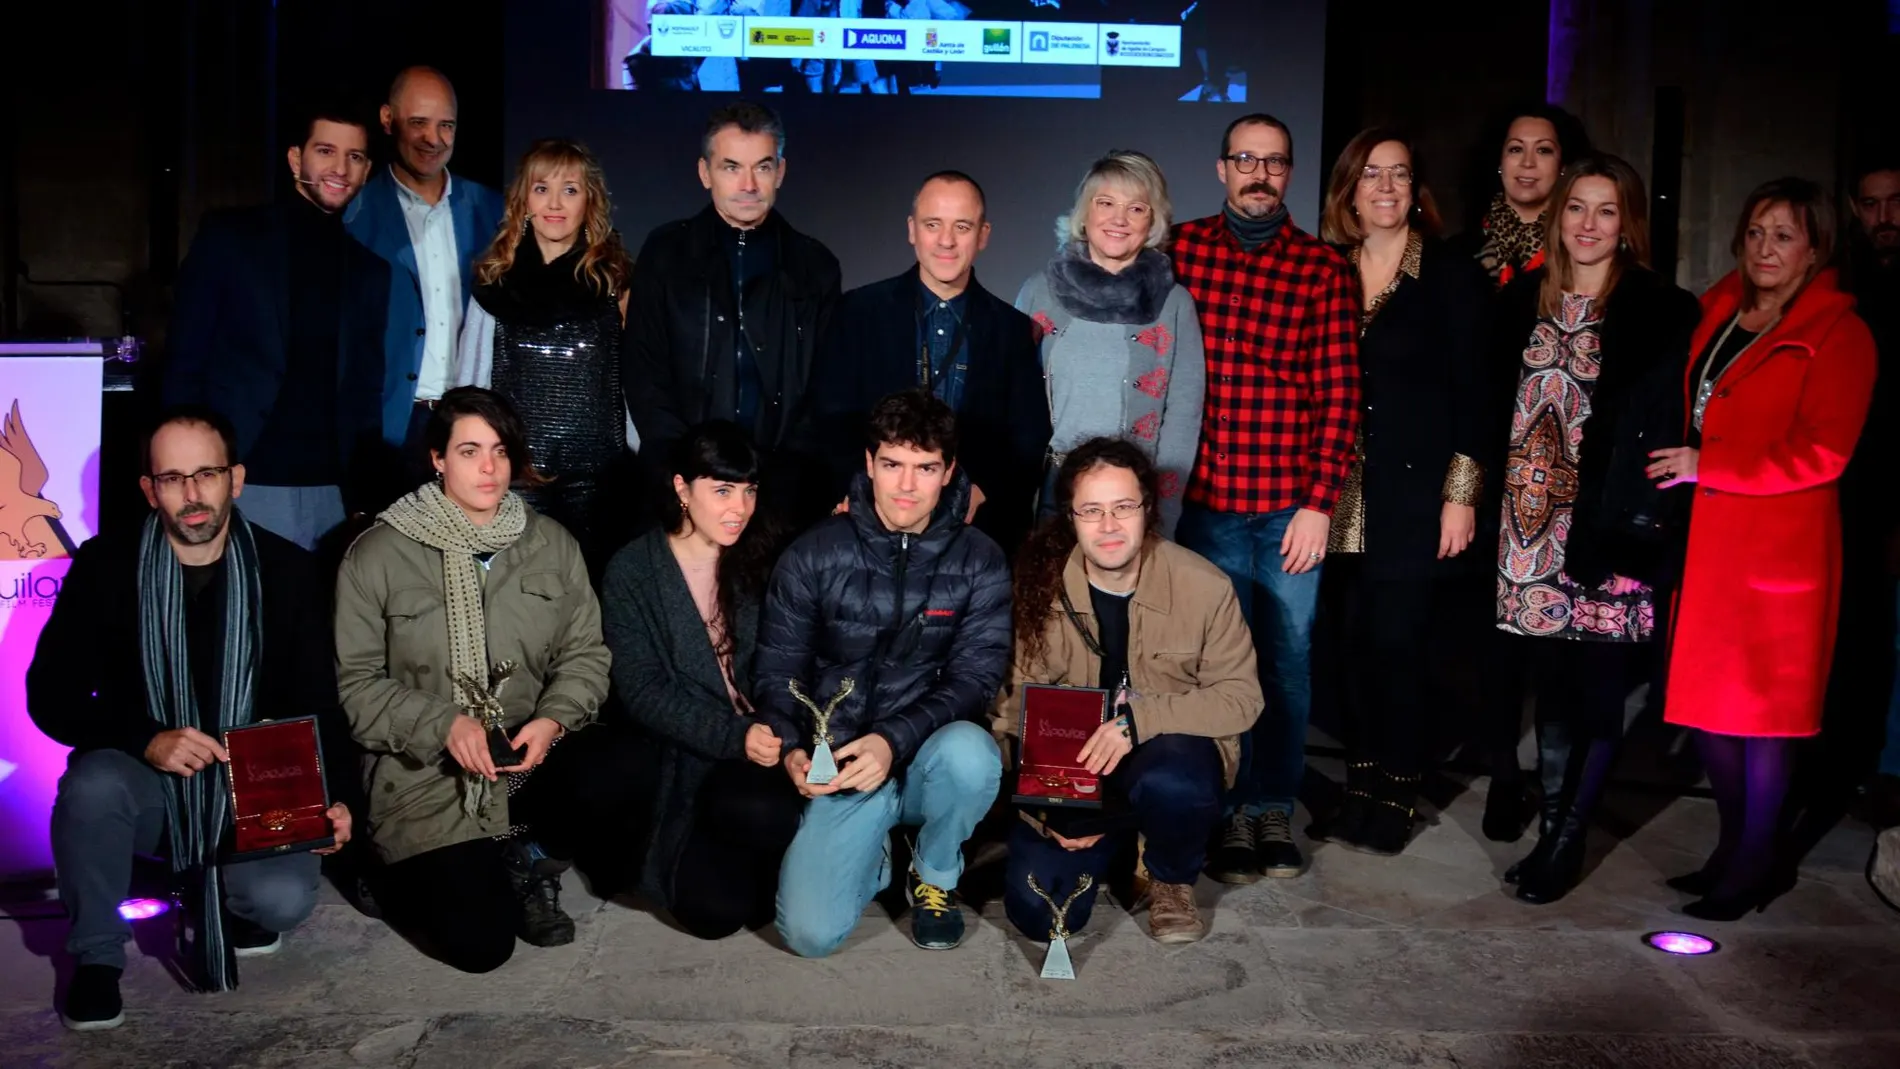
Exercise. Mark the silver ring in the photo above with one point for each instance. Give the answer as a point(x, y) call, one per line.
point(1312, 556)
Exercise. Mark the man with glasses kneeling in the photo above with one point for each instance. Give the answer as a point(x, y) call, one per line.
point(1103, 601)
point(164, 637)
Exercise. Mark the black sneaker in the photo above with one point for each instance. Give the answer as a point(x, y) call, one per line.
point(1234, 859)
point(92, 1002)
point(249, 940)
point(936, 921)
point(1273, 844)
point(537, 882)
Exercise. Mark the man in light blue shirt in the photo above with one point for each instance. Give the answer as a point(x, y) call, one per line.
point(431, 227)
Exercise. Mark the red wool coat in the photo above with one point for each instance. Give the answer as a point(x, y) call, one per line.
point(1760, 595)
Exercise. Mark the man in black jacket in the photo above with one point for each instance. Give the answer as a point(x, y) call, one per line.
point(279, 325)
point(196, 588)
point(725, 309)
point(934, 326)
point(893, 619)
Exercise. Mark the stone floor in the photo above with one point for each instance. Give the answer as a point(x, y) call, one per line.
point(1417, 961)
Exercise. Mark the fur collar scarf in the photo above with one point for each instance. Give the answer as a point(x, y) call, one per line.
point(1087, 292)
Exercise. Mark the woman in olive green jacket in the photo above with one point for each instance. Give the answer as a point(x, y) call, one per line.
point(461, 611)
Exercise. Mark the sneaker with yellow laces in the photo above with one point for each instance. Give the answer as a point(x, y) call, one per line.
point(936, 920)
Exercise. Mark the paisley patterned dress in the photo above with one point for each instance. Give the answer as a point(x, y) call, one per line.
point(1552, 404)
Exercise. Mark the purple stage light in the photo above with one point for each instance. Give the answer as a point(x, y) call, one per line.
point(141, 909)
point(1684, 944)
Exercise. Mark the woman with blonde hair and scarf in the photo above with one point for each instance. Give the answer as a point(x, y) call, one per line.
point(468, 644)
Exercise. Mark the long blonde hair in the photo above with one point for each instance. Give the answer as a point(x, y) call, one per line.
point(605, 262)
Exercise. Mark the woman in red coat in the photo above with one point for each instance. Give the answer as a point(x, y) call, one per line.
point(1776, 392)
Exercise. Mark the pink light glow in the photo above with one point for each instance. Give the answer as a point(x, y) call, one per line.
point(1682, 943)
point(142, 909)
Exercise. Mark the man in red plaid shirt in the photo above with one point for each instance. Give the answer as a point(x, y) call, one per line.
point(1279, 321)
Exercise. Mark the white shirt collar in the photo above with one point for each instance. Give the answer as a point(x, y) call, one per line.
point(403, 191)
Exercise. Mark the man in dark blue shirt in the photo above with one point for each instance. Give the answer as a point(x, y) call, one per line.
point(936, 327)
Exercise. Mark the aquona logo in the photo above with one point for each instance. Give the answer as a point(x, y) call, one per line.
point(29, 590)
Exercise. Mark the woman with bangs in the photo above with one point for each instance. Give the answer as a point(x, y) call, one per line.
point(1586, 359)
point(543, 328)
point(1120, 340)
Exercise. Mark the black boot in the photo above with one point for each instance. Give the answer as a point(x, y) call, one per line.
point(1388, 824)
point(1504, 809)
point(537, 883)
point(1553, 760)
point(1346, 821)
point(1563, 868)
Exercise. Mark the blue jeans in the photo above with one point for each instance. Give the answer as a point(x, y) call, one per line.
point(840, 859)
point(1173, 783)
point(1890, 756)
point(110, 807)
point(1279, 609)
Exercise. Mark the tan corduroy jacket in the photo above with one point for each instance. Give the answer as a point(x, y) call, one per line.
point(1190, 654)
point(392, 658)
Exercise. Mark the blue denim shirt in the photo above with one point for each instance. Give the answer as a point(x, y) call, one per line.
point(943, 338)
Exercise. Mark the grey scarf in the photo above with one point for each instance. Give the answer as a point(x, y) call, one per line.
point(197, 808)
point(429, 517)
point(1088, 292)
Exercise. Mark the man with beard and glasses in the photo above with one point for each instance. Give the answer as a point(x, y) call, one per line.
point(163, 636)
point(279, 326)
point(1279, 324)
point(429, 225)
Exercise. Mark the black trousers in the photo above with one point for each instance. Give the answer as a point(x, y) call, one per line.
point(1579, 684)
point(457, 902)
point(727, 876)
point(1375, 648)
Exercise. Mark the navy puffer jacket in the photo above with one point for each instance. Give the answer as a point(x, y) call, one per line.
point(920, 623)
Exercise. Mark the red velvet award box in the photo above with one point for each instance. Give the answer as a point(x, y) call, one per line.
point(1057, 723)
point(278, 796)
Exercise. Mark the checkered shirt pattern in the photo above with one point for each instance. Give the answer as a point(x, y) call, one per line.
point(1280, 326)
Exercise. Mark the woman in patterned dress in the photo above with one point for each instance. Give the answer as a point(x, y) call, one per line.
point(1586, 542)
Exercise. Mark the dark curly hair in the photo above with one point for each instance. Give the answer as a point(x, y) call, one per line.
point(719, 449)
point(1040, 563)
point(914, 418)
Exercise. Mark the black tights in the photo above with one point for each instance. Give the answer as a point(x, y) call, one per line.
point(727, 876)
point(1377, 657)
point(1749, 777)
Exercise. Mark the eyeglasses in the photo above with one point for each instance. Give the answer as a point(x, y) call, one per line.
point(204, 477)
point(1127, 510)
point(1248, 163)
point(1401, 174)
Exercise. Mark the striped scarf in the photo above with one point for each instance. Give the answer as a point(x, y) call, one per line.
point(429, 517)
point(197, 808)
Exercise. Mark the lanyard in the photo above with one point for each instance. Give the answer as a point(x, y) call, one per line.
point(927, 376)
point(1088, 639)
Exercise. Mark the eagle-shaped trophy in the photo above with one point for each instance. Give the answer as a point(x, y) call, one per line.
point(824, 767)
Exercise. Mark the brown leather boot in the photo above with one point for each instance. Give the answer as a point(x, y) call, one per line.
point(1172, 916)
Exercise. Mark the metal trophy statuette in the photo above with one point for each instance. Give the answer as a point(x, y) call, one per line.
point(824, 767)
point(1058, 966)
point(484, 703)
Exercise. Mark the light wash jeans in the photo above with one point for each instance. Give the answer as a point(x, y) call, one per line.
point(1279, 609)
point(840, 859)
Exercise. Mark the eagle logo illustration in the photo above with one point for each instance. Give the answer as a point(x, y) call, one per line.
point(29, 524)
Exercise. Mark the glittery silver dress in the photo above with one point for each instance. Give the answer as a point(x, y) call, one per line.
point(564, 379)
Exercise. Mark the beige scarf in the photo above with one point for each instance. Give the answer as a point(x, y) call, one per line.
point(429, 517)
